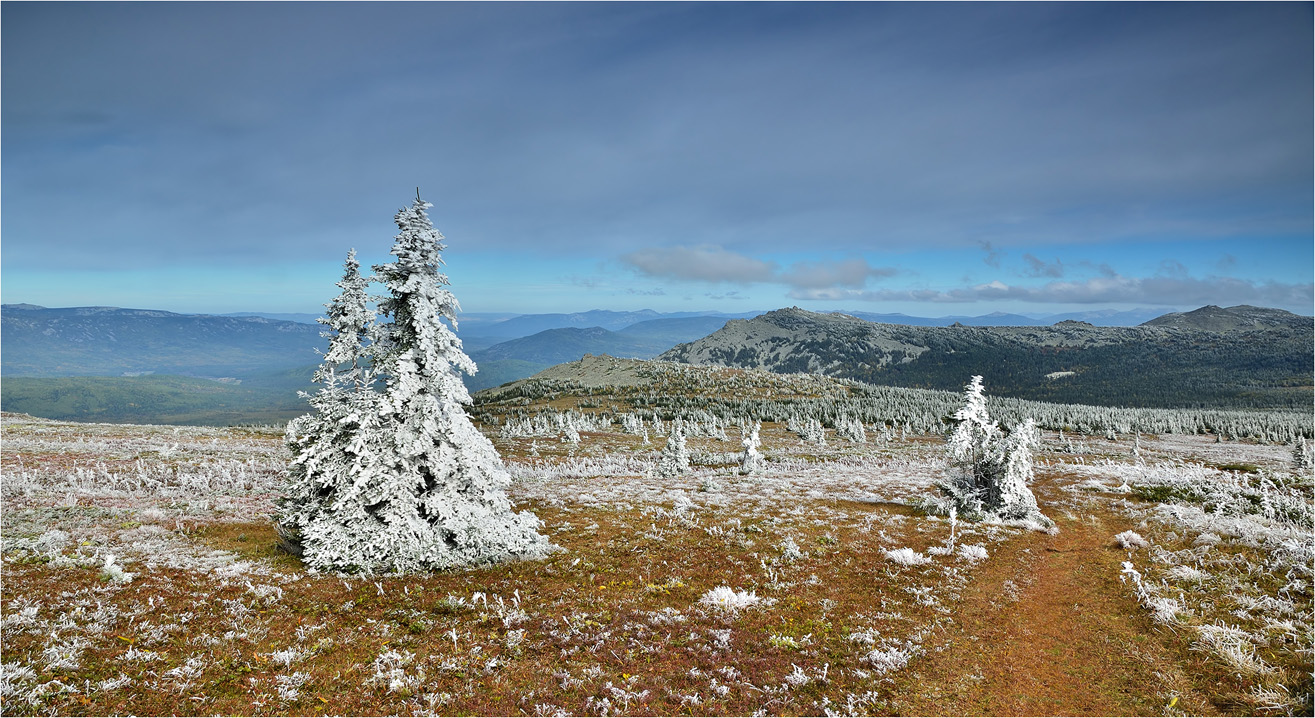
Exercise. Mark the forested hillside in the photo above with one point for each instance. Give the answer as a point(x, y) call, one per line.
point(1258, 358)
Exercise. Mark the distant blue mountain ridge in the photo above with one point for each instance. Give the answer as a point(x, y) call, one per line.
point(109, 363)
point(511, 326)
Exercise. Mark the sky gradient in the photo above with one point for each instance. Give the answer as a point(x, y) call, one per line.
point(923, 158)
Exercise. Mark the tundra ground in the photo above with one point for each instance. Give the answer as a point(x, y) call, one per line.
point(140, 575)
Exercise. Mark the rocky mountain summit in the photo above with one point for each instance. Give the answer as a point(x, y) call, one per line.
point(1240, 318)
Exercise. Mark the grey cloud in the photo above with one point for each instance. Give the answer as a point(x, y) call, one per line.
point(715, 264)
point(1104, 269)
point(1173, 268)
point(705, 264)
point(992, 257)
point(1038, 268)
point(853, 272)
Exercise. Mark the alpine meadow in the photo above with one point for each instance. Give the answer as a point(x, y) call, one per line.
point(843, 359)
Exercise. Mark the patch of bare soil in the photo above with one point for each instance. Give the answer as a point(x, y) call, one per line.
point(1047, 628)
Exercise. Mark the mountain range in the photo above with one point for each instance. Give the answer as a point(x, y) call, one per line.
point(110, 341)
point(221, 367)
point(1240, 356)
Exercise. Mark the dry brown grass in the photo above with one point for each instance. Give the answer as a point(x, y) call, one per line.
point(1044, 626)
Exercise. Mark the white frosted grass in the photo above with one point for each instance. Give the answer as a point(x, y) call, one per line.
point(14, 678)
point(906, 557)
point(973, 552)
point(1233, 645)
point(289, 686)
point(390, 671)
point(890, 658)
point(622, 482)
point(1131, 540)
point(1186, 574)
point(288, 656)
point(724, 598)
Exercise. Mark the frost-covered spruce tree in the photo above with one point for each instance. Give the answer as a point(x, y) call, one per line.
point(1011, 496)
point(989, 470)
point(750, 459)
point(413, 485)
point(675, 456)
point(321, 442)
point(350, 323)
point(1303, 460)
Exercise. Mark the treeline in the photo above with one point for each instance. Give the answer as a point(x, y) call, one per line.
point(1196, 370)
point(699, 393)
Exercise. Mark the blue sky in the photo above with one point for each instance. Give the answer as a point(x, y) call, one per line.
point(923, 158)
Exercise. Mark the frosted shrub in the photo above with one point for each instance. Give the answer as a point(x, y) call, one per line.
point(790, 550)
point(390, 671)
point(852, 429)
point(973, 552)
point(396, 477)
point(723, 598)
point(990, 470)
point(906, 557)
point(888, 659)
point(289, 687)
point(1131, 540)
point(113, 572)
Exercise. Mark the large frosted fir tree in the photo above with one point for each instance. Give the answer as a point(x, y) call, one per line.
point(990, 470)
point(396, 478)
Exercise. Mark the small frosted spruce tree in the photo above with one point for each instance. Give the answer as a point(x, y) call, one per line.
point(750, 458)
point(391, 475)
point(989, 469)
point(675, 455)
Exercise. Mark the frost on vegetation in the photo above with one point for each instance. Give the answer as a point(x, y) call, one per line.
point(139, 655)
point(797, 677)
point(675, 456)
point(906, 557)
point(790, 551)
point(1187, 574)
point(14, 677)
point(390, 671)
point(389, 474)
point(288, 656)
point(289, 687)
point(724, 598)
point(889, 658)
point(1277, 699)
point(22, 616)
point(1131, 540)
point(973, 552)
point(64, 655)
point(1303, 458)
point(750, 459)
point(1233, 645)
point(989, 469)
point(113, 572)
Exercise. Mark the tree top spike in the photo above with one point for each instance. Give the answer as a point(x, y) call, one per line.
point(417, 194)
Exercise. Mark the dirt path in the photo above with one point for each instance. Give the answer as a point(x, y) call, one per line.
point(1047, 629)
